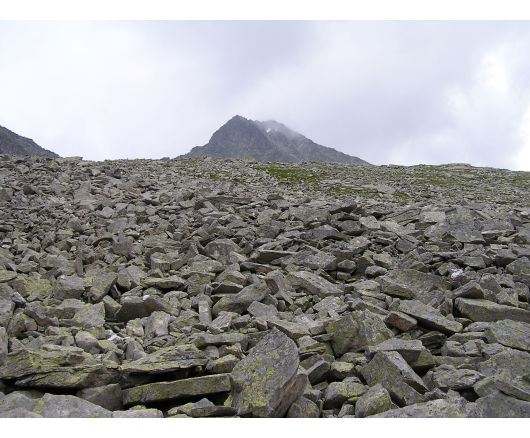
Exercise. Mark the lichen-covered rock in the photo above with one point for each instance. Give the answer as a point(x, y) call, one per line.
point(514, 334)
point(167, 359)
point(107, 396)
point(507, 361)
point(448, 377)
point(484, 310)
point(409, 350)
point(429, 317)
point(499, 405)
point(67, 367)
point(138, 413)
point(183, 388)
point(68, 406)
point(392, 371)
point(313, 284)
point(266, 382)
point(339, 392)
point(303, 408)
point(357, 330)
point(442, 408)
point(3, 345)
point(242, 300)
point(375, 401)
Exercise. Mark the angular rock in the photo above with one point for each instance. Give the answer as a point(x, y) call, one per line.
point(240, 302)
point(266, 382)
point(429, 317)
point(443, 408)
point(165, 360)
point(499, 405)
point(107, 396)
point(514, 334)
point(313, 284)
point(165, 391)
point(356, 331)
point(409, 350)
point(391, 371)
point(375, 401)
point(338, 392)
point(66, 367)
point(303, 408)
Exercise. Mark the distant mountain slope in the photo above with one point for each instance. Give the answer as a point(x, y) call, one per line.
point(266, 141)
point(14, 144)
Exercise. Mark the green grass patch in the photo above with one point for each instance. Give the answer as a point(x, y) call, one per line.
point(293, 176)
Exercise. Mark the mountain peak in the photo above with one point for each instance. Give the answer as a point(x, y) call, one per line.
point(266, 141)
point(14, 144)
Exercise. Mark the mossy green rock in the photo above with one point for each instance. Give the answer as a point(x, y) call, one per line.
point(163, 391)
point(166, 360)
point(265, 383)
point(68, 367)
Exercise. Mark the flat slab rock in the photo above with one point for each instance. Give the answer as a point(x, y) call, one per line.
point(166, 360)
point(165, 391)
point(442, 408)
point(484, 310)
point(429, 317)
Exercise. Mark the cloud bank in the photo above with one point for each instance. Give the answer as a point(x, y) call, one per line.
point(388, 92)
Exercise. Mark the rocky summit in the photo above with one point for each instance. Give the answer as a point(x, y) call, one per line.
point(232, 288)
point(268, 141)
point(11, 143)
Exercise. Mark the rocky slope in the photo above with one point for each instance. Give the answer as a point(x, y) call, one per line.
point(142, 288)
point(266, 141)
point(14, 144)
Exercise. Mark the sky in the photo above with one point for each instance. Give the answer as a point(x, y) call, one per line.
point(389, 92)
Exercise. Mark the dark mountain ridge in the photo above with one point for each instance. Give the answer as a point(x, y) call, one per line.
point(14, 144)
point(266, 141)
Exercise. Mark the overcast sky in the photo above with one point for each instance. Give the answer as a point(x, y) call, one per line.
point(387, 92)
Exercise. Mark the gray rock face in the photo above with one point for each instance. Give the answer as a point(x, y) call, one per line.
point(267, 382)
point(206, 287)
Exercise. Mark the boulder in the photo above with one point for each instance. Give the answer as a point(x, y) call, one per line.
point(266, 382)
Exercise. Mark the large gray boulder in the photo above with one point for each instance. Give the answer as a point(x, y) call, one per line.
point(267, 381)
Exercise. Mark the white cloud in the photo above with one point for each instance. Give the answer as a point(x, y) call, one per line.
point(402, 92)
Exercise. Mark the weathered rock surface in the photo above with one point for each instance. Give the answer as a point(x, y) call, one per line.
point(204, 287)
point(267, 381)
